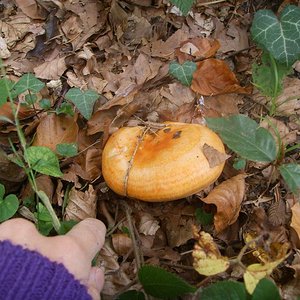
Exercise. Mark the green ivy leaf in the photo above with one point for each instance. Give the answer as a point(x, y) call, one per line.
point(184, 73)
point(65, 108)
point(43, 160)
point(5, 86)
point(67, 150)
point(263, 75)
point(45, 103)
point(184, 5)
point(83, 100)
point(225, 290)
point(280, 37)
point(131, 295)
point(8, 206)
point(291, 175)
point(161, 284)
point(244, 136)
point(266, 290)
point(28, 82)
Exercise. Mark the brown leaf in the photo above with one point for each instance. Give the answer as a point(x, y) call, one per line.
point(148, 224)
point(32, 9)
point(197, 48)
point(227, 197)
point(6, 111)
point(54, 130)
point(81, 205)
point(296, 218)
point(122, 243)
point(213, 76)
point(51, 70)
point(213, 156)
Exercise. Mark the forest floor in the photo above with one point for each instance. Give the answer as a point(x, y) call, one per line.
point(122, 50)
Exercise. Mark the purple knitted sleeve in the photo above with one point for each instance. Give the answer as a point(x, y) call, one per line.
point(26, 274)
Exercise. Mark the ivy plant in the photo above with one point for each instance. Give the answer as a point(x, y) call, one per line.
point(280, 40)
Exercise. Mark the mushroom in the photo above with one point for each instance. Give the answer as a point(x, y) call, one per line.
point(162, 165)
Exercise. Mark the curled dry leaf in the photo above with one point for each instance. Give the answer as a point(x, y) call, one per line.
point(54, 130)
point(227, 197)
point(122, 243)
point(81, 205)
point(213, 77)
point(148, 224)
point(207, 258)
point(197, 47)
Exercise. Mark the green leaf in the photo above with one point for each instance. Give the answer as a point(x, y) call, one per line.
point(184, 5)
point(239, 163)
point(45, 103)
point(268, 76)
point(161, 284)
point(5, 87)
point(67, 150)
point(224, 290)
point(43, 160)
point(131, 295)
point(266, 290)
point(280, 37)
point(2, 191)
point(291, 175)
point(44, 219)
point(30, 99)
point(84, 101)
point(28, 82)
point(184, 73)
point(8, 207)
point(65, 108)
point(203, 217)
point(66, 226)
point(244, 136)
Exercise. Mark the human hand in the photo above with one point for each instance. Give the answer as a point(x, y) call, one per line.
point(75, 250)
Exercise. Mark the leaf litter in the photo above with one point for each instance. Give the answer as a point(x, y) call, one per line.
point(122, 50)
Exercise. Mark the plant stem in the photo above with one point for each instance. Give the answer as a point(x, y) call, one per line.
point(28, 169)
point(276, 82)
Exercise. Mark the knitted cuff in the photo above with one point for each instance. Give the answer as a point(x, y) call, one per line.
point(26, 274)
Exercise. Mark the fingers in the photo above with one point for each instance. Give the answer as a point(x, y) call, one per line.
point(90, 235)
point(95, 282)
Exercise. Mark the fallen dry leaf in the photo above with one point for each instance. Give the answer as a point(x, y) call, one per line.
point(208, 260)
point(227, 197)
point(213, 156)
point(122, 243)
point(81, 205)
point(148, 225)
point(255, 272)
point(196, 48)
point(213, 76)
point(296, 218)
point(54, 130)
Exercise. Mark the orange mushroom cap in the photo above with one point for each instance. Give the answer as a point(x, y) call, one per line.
point(162, 165)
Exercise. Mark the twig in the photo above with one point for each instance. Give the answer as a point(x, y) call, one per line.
point(210, 3)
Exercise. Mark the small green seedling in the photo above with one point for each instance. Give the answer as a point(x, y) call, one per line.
point(8, 205)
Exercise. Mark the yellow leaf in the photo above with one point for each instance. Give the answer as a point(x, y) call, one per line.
point(255, 272)
point(207, 258)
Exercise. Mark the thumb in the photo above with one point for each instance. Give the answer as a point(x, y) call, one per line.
point(90, 235)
